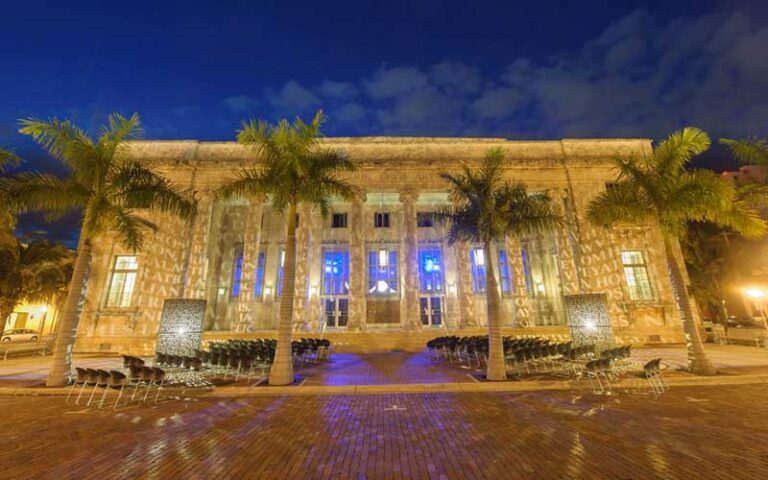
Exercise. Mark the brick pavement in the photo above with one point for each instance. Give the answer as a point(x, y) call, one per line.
point(701, 432)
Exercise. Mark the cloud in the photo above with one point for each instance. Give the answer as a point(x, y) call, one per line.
point(498, 103)
point(395, 82)
point(293, 99)
point(643, 75)
point(240, 103)
point(337, 89)
point(350, 112)
point(456, 75)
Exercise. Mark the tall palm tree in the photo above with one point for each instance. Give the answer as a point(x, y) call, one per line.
point(7, 218)
point(487, 209)
point(107, 187)
point(34, 272)
point(295, 168)
point(662, 190)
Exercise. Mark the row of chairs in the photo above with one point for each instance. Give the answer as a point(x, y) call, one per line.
point(114, 380)
point(602, 371)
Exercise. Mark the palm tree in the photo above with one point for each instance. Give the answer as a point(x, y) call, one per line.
point(486, 210)
point(749, 151)
point(107, 187)
point(295, 168)
point(34, 272)
point(662, 190)
point(7, 218)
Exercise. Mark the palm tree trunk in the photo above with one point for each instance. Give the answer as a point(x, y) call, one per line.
point(282, 368)
point(61, 365)
point(4, 314)
point(697, 358)
point(496, 367)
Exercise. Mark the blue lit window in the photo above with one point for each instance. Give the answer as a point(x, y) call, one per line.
point(280, 262)
point(382, 272)
point(258, 284)
point(430, 271)
point(477, 261)
point(504, 275)
point(237, 271)
point(527, 270)
point(336, 272)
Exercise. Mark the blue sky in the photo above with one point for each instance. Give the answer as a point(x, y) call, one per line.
point(509, 69)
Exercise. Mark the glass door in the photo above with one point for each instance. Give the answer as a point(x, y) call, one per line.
point(335, 288)
point(431, 286)
point(431, 311)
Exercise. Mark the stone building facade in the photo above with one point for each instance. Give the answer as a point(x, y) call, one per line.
point(376, 271)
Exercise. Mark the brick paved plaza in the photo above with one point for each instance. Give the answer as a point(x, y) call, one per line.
point(699, 432)
point(702, 428)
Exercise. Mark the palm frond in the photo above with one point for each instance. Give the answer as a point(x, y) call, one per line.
point(749, 151)
point(8, 158)
point(621, 202)
point(673, 153)
point(139, 187)
point(130, 227)
point(41, 192)
point(62, 139)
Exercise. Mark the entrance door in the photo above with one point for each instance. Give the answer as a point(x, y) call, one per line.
point(336, 312)
point(335, 288)
point(431, 286)
point(431, 311)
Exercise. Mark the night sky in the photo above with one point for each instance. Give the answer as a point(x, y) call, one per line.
point(508, 69)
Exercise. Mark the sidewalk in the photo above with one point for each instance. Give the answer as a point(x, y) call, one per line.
point(405, 372)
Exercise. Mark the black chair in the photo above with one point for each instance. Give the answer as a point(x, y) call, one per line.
point(79, 380)
point(117, 381)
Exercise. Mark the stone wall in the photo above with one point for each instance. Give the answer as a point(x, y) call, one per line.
point(398, 175)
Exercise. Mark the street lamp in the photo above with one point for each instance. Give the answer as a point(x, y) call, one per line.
point(757, 295)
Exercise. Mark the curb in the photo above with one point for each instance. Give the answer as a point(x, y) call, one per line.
point(413, 388)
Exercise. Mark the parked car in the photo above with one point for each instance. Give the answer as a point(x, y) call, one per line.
point(20, 334)
point(744, 322)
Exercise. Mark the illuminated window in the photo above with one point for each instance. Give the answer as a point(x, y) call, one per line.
point(636, 273)
point(336, 272)
point(122, 282)
point(258, 284)
point(237, 270)
point(477, 261)
point(382, 272)
point(280, 262)
point(504, 276)
point(430, 271)
point(381, 220)
point(425, 219)
point(527, 270)
point(339, 220)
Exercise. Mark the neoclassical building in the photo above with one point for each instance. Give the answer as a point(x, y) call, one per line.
point(376, 270)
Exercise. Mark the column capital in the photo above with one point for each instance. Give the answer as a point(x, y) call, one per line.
point(359, 194)
point(408, 195)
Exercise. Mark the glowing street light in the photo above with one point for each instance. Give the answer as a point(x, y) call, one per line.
point(755, 293)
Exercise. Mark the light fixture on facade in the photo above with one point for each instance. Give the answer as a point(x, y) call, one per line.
point(267, 290)
point(313, 291)
point(479, 257)
point(382, 286)
point(222, 290)
point(383, 258)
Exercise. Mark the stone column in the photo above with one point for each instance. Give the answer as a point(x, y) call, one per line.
point(357, 264)
point(301, 280)
point(197, 260)
point(315, 265)
point(519, 292)
point(466, 295)
point(251, 248)
point(409, 299)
